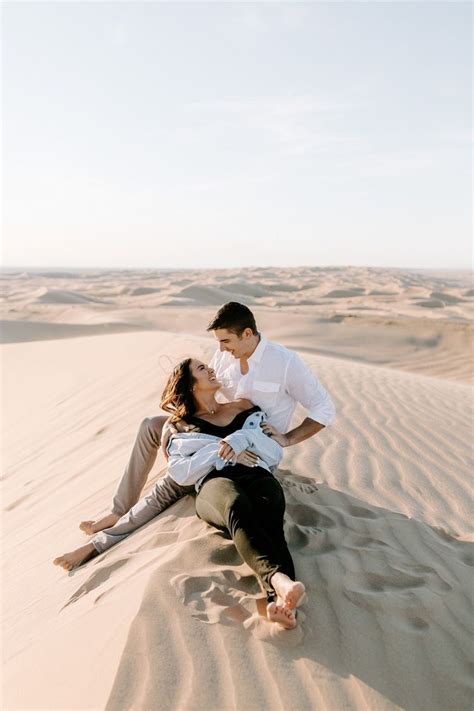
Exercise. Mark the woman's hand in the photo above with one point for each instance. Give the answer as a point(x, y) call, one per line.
point(247, 458)
point(279, 437)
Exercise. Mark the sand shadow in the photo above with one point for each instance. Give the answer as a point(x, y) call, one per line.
point(388, 604)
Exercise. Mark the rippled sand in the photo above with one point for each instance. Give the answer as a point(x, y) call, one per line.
point(378, 506)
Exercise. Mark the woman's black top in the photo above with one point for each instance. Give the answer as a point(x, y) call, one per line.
point(237, 471)
point(222, 430)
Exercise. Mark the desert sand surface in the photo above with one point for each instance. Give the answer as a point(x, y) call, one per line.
point(379, 505)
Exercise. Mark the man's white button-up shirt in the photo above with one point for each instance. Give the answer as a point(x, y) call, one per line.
point(277, 380)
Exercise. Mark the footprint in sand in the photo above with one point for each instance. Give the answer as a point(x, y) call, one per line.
point(309, 517)
point(303, 486)
point(373, 590)
point(413, 623)
point(217, 598)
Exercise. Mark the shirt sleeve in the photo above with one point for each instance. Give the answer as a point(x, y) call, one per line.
point(187, 469)
point(306, 389)
point(265, 447)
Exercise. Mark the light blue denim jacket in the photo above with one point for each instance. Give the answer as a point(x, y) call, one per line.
point(192, 455)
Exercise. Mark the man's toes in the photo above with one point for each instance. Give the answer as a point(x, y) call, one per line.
point(298, 595)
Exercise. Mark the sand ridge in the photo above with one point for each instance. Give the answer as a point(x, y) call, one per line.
point(378, 516)
point(416, 321)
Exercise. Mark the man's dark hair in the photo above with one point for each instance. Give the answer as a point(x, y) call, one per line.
point(234, 317)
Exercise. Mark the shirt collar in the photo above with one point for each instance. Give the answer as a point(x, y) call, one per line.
point(256, 356)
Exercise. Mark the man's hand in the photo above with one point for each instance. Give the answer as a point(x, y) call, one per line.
point(226, 452)
point(182, 426)
point(279, 437)
point(247, 458)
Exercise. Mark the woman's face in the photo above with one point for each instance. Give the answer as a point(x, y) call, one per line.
point(204, 377)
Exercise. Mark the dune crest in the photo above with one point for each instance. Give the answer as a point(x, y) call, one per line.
point(378, 522)
point(378, 506)
point(420, 322)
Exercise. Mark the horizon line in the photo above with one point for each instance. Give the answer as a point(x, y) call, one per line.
point(37, 268)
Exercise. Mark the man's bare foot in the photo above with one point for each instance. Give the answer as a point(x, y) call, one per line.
point(91, 527)
point(290, 592)
point(71, 560)
point(281, 615)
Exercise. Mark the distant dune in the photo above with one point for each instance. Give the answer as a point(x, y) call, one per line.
point(431, 304)
point(378, 310)
point(378, 517)
point(446, 298)
point(61, 296)
point(22, 331)
point(210, 294)
point(345, 293)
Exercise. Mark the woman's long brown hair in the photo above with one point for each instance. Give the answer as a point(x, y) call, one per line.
point(177, 397)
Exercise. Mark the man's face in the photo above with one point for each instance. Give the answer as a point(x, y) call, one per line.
point(231, 342)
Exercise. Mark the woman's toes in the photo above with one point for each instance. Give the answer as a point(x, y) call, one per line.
point(86, 527)
point(281, 615)
point(61, 561)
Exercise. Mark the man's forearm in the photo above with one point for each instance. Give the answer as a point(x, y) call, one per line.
point(305, 430)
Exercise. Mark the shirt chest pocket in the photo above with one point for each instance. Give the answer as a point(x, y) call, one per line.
point(265, 393)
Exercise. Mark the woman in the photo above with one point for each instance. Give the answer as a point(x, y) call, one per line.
point(244, 500)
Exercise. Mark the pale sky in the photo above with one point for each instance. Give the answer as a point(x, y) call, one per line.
point(148, 134)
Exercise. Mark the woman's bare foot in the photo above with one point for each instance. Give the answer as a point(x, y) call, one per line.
point(290, 592)
point(281, 615)
point(91, 527)
point(71, 560)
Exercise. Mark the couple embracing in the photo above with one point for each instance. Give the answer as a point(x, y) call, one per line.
point(224, 449)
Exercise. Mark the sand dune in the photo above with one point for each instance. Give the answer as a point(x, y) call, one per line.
point(431, 304)
point(61, 296)
point(22, 331)
point(378, 521)
point(210, 294)
point(143, 291)
point(419, 321)
point(378, 506)
point(446, 298)
point(345, 293)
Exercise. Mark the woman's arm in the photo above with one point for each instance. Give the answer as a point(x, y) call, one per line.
point(190, 458)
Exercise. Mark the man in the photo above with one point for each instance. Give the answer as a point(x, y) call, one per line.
point(248, 366)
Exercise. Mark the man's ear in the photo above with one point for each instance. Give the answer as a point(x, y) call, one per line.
point(247, 333)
